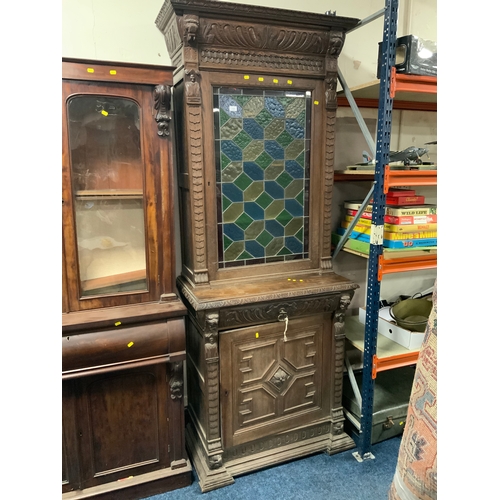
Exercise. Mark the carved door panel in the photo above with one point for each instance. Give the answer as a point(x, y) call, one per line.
point(123, 424)
point(270, 384)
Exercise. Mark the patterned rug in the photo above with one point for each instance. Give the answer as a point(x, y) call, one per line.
point(416, 470)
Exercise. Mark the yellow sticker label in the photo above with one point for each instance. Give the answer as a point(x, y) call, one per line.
point(246, 77)
point(90, 70)
point(105, 113)
point(130, 344)
point(289, 279)
point(112, 71)
point(275, 80)
point(261, 79)
point(118, 323)
point(256, 335)
point(316, 102)
point(289, 82)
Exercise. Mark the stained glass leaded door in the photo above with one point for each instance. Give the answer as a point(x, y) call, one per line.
point(262, 149)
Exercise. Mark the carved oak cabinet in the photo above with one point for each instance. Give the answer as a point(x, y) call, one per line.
point(123, 342)
point(254, 107)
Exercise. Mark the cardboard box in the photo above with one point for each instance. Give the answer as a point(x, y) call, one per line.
point(388, 328)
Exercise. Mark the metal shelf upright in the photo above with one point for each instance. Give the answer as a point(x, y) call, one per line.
point(384, 124)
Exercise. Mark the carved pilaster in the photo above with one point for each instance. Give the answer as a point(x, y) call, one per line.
point(162, 96)
point(339, 347)
point(176, 380)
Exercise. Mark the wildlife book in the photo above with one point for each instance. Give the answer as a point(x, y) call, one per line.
point(422, 242)
point(404, 200)
point(410, 228)
point(410, 219)
point(411, 210)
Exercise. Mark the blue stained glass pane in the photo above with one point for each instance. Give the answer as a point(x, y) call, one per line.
point(254, 248)
point(294, 128)
point(295, 208)
point(253, 129)
point(253, 171)
point(294, 169)
point(294, 245)
point(230, 106)
point(274, 149)
point(254, 211)
point(234, 232)
point(275, 228)
point(274, 190)
point(232, 192)
point(275, 107)
point(231, 150)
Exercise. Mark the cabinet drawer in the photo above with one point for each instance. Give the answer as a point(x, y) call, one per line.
point(109, 349)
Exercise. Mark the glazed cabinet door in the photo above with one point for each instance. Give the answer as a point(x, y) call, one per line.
point(113, 159)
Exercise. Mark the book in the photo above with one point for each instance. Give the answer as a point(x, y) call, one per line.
point(423, 242)
point(401, 192)
point(411, 210)
point(409, 228)
point(355, 235)
point(364, 215)
point(356, 205)
point(363, 248)
point(360, 228)
point(409, 236)
point(410, 219)
point(404, 200)
point(361, 221)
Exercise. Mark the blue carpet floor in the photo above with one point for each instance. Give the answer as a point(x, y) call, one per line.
point(318, 477)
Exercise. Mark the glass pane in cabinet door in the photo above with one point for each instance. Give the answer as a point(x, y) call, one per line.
point(107, 180)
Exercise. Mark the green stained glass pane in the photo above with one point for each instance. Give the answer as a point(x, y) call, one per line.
point(243, 181)
point(264, 118)
point(254, 229)
point(284, 218)
point(274, 209)
point(300, 197)
point(243, 221)
point(227, 242)
point(274, 170)
point(223, 117)
point(242, 139)
point(300, 159)
point(225, 203)
point(253, 191)
point(293, 226)
point(233, 251)
point(284, 139)
point(274, 247)
point(232, 127)
point(233, 212)
point(274, 129)
point(295, 108)
point(241, 99)
point(244, 256)
point(224, 160)
point(263, 160)
point(264, 200)
point(253, 107)
point(285, 100)
point(284, 179)
point(253, 150)
point(264, 238)
point(231, 172)
point(294, 189)
point(284, 251)
point(300, 235)
point(294, 149)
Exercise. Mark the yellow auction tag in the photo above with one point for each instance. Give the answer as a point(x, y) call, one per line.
point(90, 70)
point(117, 323)
point(261, 79)
point(316, 102)
point(246, 77)
point(112, 71)
point(130, 344)
point(256, 335)
point(275, 80)
point(289, 82)
point(105, 113)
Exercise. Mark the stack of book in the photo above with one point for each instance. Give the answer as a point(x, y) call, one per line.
point(409, 224)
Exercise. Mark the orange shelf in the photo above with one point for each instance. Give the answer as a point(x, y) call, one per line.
point(399, 265)
point(412, 83)
point(408, 178)
point(390, 362)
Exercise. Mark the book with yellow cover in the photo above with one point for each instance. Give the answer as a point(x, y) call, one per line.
point(410, 228)
point(409, 236)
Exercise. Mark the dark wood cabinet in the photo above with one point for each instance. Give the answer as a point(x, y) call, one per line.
point(255, 103)
point(123, 325)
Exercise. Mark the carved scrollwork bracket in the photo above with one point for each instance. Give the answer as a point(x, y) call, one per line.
point(162, 95)
point(176, 380)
